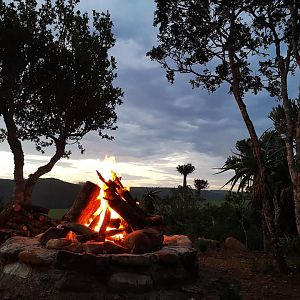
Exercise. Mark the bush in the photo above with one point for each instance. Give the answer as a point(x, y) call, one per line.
point(184, 213)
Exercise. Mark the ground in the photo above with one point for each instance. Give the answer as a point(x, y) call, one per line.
point(222, 275)
point(254, 274)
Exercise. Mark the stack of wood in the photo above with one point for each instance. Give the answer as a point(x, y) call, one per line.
point(26, 220)
point(132, 217)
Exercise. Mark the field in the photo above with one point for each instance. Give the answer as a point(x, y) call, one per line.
point(57, 213)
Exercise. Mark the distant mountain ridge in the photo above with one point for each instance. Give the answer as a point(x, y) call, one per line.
point(54, 193)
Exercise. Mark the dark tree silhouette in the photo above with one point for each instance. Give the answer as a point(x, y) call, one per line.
point(200, 184)
point(56, 80)
point(213, 41)
point(185, 170)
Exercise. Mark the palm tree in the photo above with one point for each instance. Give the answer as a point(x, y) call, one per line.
point(185, 170)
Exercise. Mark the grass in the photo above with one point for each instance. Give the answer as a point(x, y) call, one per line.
point(57, 213)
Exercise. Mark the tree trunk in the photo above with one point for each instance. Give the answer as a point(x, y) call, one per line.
point(32, 178)
point(184, 180)
point(264, 190)
point(296, 191)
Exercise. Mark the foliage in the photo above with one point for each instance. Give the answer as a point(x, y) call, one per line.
point(184, 213)
point(185, 170)
point(246, 177)
point(56, 79)
point(149, 199)
point(200, 184)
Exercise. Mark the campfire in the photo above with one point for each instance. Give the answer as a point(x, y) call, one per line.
point(105, 233)
point(105, 216)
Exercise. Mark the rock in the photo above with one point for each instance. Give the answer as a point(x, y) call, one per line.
point(74, 282)
point(141, 260)
point(130, 281)
point(143, 241)
point(12, 247)
point(212, 244)
point(167, 256)
point(232, 243)
point(113, 248)
point(93, 247)
point(53, 233)
point(58, 243)
point(17, 269)
point(177, 240)
point(75, 261)
point(39, 256)
point(187, 255)
point(74, 247)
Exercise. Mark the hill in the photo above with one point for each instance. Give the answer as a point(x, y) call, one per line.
point(54, 193)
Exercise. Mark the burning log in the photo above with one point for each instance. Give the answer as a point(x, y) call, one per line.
point(53, 233)
point(134, 219)
point(114, 223)
point(94, 222)
point(82, 230)
point(85, 204)
point(105, 222)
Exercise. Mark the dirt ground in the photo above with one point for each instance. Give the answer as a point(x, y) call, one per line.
point(254, 273)
point(222, 275)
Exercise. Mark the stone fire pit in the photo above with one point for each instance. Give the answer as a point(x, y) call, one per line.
point(26, 259)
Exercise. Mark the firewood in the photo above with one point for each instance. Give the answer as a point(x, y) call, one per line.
point(112, 232)
point(82, 230)
point(114, 223)
point(85, 204)
point(53, 233)
point(18, 218)
point(105, 222)
point(94, 222)
point(127, 212)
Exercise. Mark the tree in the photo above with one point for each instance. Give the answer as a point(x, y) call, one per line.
point(212, 41)
point(200, 184)
point(185, 170)
point(56, 81)
point(277, 25)
point(246, 178)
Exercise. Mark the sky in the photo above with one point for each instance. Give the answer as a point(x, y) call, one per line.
point(159, 125)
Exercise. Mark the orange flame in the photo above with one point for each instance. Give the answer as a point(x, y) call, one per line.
point(106, 166)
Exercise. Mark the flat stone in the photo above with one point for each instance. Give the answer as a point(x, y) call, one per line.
point(40, 256)
point(11, 248)
point(93, 247)
point(177, 240)
point(170, 275)
point(17, 269)
point(74, 247)
point(167, 256)
point(58, 243)
point(75, 261)
point(74, 282)
point(187, 255)
point(142, 260)
point(130, 281)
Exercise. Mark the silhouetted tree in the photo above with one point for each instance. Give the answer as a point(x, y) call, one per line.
point(200, 184)
point(213, 41)
point(185, 170)
point(56, 80)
